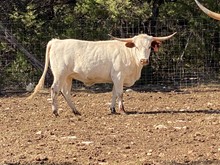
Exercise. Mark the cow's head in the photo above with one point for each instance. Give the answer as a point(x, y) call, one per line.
point(143, 44)
point(208, 12)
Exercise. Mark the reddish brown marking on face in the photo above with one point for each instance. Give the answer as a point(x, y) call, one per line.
point(155, 45)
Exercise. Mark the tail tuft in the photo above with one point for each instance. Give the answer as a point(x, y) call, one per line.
point(36, 89)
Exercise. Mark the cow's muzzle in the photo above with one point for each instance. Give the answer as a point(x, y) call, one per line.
point(144, 61)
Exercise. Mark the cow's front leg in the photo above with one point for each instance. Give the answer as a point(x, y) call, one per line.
point(120, 103)
point(114, 97)
point(119, 95)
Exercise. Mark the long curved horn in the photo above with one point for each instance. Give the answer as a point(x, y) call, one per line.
point(208, 12)
point(121, 39)
point(164, 38)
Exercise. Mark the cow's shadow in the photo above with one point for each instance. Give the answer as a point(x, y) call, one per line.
point(174, 112)
point(104, 88)
point(200, 162)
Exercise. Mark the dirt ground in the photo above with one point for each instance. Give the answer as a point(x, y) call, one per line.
point(176, 127)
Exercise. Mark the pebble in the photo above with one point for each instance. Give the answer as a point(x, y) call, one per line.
point(129, 90)
point(160, 126)
point(87, 142)
point(68, 137)
point(39, 133)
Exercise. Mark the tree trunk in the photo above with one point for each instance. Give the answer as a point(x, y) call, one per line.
point(8, 37)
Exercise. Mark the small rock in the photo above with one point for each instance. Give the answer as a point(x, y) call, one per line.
point(87, 142)
point(150, 150)
point(160, 126)
point(149, 154)
point(129, 90)
point(30, 87)
point(161, 155)
point(41, 158)
point(177, 128)
point(127, 147)
point(39, 133)
point(22, 157)
point(68, 137)
point(197, 134)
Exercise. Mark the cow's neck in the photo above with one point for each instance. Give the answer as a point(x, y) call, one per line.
point(138, 67)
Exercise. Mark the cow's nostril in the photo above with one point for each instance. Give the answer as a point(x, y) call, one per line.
point(144, 61)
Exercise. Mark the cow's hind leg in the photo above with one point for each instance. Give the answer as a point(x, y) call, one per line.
point(66, 89)
point(55, 89)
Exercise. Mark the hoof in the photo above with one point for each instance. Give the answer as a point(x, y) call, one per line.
point(122, 110)
point(56, 114)
point(113, 111)
point(77, 113)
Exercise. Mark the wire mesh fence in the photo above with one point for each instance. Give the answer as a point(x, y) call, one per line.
point(191, 57)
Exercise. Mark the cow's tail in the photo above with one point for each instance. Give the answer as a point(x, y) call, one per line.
point(41, 81)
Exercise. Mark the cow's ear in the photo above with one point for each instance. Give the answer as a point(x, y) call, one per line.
point(155, 45)
point(130, 44)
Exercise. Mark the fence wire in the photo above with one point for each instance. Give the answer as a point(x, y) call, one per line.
point(191, 57)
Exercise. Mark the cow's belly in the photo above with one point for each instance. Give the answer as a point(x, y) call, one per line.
point(129, 82)
point(94, 76)
point(89, 81)
point(131, 79)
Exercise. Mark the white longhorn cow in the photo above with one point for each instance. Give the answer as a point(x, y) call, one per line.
point(208, 12)
point(118, 61)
